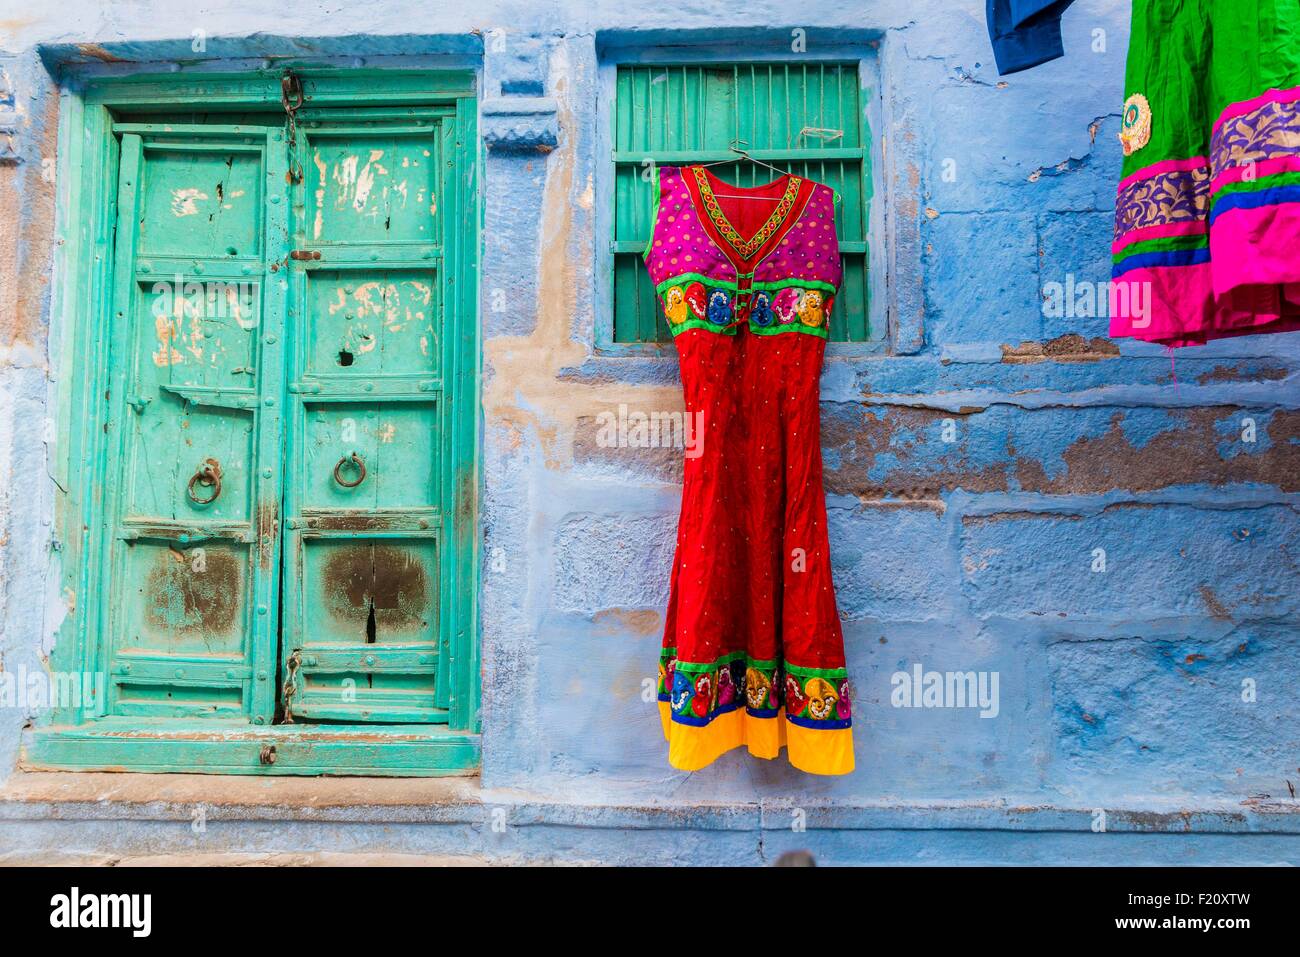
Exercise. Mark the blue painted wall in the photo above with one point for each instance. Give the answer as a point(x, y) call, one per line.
point(1009, 491)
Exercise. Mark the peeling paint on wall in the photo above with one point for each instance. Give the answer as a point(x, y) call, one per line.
point(1007, 491)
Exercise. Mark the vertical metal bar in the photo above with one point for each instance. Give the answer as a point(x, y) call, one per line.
point(786, 112)
point(821, 97)
point(767, 115)
point(735, 101)
point(804, 116)
point(683, 123)
point(702, 137)
point(667, 130)
point(704, 131)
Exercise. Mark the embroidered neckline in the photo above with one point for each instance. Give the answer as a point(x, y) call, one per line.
point(745, 247)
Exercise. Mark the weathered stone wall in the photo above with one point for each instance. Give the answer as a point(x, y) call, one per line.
point(1009, 490)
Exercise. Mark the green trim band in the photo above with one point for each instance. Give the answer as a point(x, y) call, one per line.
point(840, 673)
point(820, 332)
point(1272, 181)
point(1163, 244)
point(801, 283)
point(688, 277)
point(699, 667)
point(712, 283)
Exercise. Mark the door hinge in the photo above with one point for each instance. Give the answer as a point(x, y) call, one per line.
point(291, 683)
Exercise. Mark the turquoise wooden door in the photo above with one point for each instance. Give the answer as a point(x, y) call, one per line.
point(194, 555)
point(268, 483)
point(277, 371)
point(365, 637)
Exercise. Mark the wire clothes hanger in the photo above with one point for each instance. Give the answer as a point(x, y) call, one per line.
point(743, 154)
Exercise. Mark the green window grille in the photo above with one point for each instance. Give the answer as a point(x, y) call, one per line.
point(803, 117)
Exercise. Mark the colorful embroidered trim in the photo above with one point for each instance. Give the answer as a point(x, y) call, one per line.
point(697, 693)
point(1204, 245)
point(788, 309)
point(1170, 194)
point(1252, 151)
point(734, 286)
point(745, 247)
point(682, 279)
point(1268, 131)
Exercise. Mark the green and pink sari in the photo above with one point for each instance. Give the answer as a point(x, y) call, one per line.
point(1207, 217)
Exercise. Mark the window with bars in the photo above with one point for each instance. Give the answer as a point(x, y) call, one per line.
point(806, 118)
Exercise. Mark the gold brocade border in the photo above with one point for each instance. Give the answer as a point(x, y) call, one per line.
point(746, 248)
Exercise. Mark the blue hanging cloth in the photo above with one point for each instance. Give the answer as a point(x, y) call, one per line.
point(1025, 33)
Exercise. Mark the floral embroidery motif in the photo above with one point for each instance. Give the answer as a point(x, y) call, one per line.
point(738, 678)
point(1174, 196)
point(805, 309)
point(719, 307)
point(1268, 132)
point(821, 698)
point(726, 687)
point(843, 707)
point(1135, 127)
point(788, 303)
point(810, 313)
point(682, 691)
point(666, 666)
point(702, 703)
point(760, 314)
point(695, 298)
point(745, 247)
point(675, 305)
point(757, 688)
point(701, 692)
point(795, 699)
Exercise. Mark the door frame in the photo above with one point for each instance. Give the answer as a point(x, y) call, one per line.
point(74, 734)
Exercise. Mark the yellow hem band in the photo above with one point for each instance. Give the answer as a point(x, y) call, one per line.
point(691, 748)
point(820, 751)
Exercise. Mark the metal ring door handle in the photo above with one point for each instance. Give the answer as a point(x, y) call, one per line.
point(356, 461)
point(209, 476)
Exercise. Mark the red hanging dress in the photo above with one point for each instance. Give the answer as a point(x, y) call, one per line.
point(753, 653)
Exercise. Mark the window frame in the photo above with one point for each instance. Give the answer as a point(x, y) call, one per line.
point(722, 56)
point(75, 737)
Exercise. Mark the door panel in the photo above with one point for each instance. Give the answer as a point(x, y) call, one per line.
point(396, 441)
point(372, 323)
point(370, 186)
point(371, 592)
point(195, 551)
point(186, 601)
point(172, 441)
point(364, 631)
point(201, 199)
point(372, 614)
